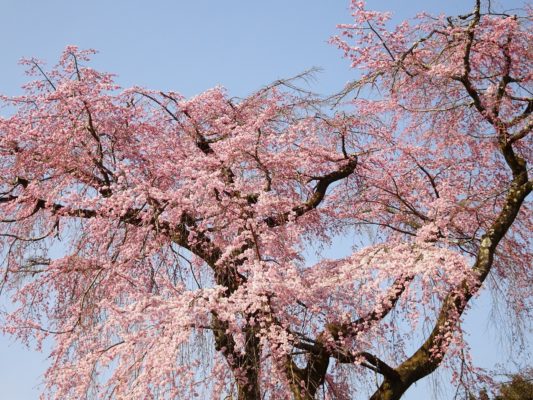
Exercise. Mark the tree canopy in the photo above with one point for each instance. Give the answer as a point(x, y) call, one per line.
point(161, 240)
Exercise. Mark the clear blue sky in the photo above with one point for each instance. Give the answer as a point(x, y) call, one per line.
point(190, 46)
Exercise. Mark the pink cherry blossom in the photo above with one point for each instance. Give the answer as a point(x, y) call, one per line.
point(160, 241)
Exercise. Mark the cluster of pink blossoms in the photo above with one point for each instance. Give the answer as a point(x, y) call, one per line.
point(160, 241)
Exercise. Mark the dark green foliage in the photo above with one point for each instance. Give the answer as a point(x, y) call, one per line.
point(519, 387)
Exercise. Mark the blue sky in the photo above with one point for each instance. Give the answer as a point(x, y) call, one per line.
point(190, 46)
